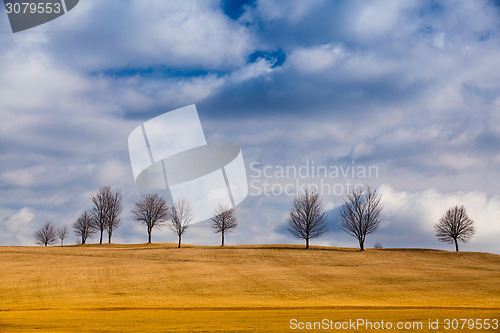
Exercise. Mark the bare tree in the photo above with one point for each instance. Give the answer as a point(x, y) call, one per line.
point(63, 233)
point(224, 220)
point(114, 204)
point(99, 211)
point(84, 227)
point(152, 211)
point(46, 235)
point(454, 226)
point(106, 211)
point(180, 217)
point(378, 245)
point(307, 219)
point(360, 214)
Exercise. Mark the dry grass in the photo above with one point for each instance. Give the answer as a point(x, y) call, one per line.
point(157, 287)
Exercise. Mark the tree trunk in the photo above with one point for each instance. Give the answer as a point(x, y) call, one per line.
point(179, 246)
point(456, 245)
point(100, 241)
point(83, 241)
point(307, 243)
point(45, 244)
point(222, 237)
point(149, 237)
point(361, 245)
point(109, 238)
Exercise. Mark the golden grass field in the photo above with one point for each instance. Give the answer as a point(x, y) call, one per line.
point(159, 288)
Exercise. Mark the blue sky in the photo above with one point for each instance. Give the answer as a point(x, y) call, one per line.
point(410, 87)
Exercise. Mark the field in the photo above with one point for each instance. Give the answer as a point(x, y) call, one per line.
point(159, 288)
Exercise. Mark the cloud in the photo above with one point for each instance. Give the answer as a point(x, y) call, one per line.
point(144, 33)
point(30, 81)
point(316, 59)
point(16, 227)
point(377, 19)
point(259, 68)
point(293, 10)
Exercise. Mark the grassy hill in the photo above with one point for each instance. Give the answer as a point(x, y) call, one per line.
point(158, 287)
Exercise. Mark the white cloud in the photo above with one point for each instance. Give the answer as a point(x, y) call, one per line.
point(115, 173)
point(456, 161)
point(292, 10)
point(259, 68)
point(316, 59)
point(34, 176)
point(32, 81)
point(20, 219)
point(18, 227)
point(377, 18)
point(147, 32)
point(439, 40)
point(186, 91)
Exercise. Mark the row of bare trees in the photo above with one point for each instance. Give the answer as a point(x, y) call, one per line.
point(152, 210)
point(106, 211)
point(104, 215)
point(48, 234)
point(360, 216)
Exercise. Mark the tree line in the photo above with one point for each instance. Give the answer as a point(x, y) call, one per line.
point(360, 215)
point(152, 211)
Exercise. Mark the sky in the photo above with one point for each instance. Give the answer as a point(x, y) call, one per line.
point(407, 89)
